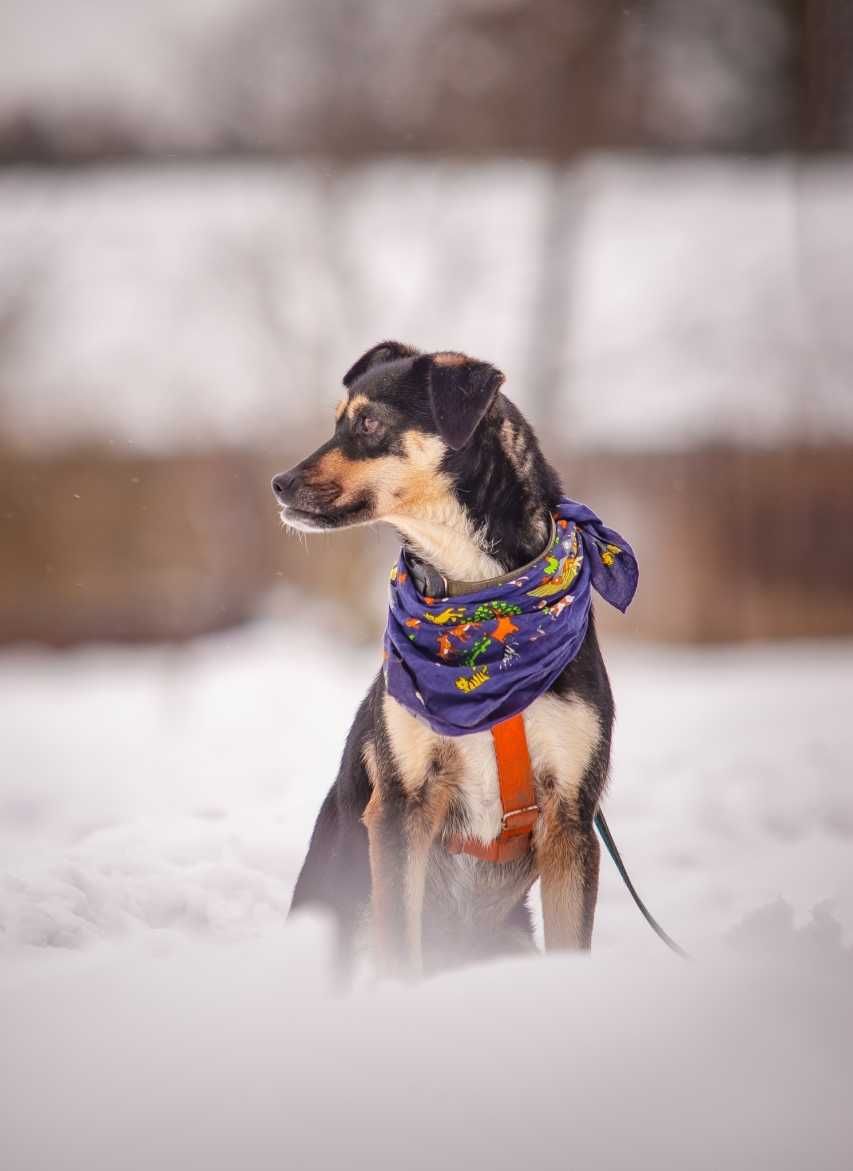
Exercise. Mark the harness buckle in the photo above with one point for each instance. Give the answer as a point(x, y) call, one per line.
point(529, 815)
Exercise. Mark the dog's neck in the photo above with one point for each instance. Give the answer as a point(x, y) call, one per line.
point(494, 516)
point(448, 539)
point(450, 545)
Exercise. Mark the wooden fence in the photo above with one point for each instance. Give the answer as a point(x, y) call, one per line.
point(733, 545)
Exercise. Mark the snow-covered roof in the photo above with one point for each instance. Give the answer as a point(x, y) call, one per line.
point(632, 303)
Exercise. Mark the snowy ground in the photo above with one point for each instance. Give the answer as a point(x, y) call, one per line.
point(154, 808)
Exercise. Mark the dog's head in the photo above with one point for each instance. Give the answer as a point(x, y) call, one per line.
point(427, 442)
point(402, 415)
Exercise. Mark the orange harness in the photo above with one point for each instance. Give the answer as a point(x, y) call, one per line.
point(518, 799)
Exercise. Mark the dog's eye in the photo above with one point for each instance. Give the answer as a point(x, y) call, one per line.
point(369, 425)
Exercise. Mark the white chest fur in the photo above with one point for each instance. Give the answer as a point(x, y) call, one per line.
point(562, 735)
point(478, 785)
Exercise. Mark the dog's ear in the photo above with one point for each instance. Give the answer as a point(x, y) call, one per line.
point(460, 390)
point(384, 352)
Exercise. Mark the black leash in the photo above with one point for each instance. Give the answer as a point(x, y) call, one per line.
point(612, 849)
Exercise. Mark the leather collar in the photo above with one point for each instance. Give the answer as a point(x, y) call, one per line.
point(432, 584)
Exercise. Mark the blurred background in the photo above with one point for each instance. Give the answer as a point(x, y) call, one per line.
point(641, 212)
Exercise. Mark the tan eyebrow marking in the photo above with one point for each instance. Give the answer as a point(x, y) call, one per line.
point(340, 408)
point(356, 403)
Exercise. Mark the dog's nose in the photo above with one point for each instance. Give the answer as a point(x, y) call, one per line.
point(284, 484)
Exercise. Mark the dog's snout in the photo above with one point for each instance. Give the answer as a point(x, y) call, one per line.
point(285, 484)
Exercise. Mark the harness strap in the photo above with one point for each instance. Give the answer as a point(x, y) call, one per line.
point(520, 814)
point(518, 798)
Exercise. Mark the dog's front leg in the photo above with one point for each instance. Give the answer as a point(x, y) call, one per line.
point(385, 818)
point(568, 857)
point(400, 834)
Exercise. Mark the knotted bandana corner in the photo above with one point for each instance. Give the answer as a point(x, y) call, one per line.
point(464, 663)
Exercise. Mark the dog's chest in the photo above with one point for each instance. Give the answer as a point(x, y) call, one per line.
point(478, 794)
point(562, 735)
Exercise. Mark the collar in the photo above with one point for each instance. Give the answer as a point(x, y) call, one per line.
point(432, 584)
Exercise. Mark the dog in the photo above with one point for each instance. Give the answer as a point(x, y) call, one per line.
point(429, 443)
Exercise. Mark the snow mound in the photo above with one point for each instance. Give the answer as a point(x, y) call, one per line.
point(222, 1057)
point(155, 1011)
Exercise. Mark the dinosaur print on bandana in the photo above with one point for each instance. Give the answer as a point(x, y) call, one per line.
point(472, 682)
point(609, 554)
point(451, 614)
point(559, 575)
point(467, 661)
point(504, 629)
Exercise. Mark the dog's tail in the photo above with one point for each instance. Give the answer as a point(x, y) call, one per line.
point(612, 849)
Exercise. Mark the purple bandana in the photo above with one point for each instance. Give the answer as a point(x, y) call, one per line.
point(467, 662)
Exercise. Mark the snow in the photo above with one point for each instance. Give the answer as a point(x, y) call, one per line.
point(225, 1059)
point(154, 808)
point(176, 787)
point(633, 303)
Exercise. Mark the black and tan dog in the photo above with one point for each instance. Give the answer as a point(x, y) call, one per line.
point(429, 444)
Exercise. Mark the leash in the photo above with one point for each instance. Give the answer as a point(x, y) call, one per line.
point(612, 849)
point(520, 814)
